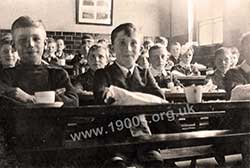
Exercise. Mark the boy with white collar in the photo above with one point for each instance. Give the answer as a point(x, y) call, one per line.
point(124, 73)
point(158, 56)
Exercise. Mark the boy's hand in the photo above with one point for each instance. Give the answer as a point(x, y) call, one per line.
point(85, 93)
point(20, 95)
point(108, 96)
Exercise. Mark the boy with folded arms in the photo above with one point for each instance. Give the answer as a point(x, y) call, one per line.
point(30, 76)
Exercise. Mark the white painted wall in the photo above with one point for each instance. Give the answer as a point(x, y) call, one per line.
point(164, 17)
point(179, 17)
point(236, 20)
point(59, 15)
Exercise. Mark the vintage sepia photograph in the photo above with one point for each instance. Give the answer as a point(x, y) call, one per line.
point(125, 84)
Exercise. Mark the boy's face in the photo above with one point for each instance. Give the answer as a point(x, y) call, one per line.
point(29, 43)
point(148, 45)
point(86, 44)
point(175, 50)
point(158, 58)
point(51, 48)
point(143, 61)
point(8, 55)
point(187, 57)
point(60, 45)
point(222, 62)
point(97, 59)
point(126, 49)
point(234, 59)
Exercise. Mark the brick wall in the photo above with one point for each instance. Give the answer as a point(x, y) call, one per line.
point(204, 55)
point(72, 40)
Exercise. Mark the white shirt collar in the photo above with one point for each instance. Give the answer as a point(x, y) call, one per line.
point(124, 69)
point(184, 65)
point(156, 72)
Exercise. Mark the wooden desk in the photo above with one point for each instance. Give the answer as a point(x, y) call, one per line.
point(192, 80)
point(86, 100)
point(115, 110)
point(43, 129)
point(181, 97)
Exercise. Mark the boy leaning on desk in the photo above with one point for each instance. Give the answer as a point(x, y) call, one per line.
point(30, 76)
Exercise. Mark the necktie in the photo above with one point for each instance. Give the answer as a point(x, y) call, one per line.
point(129, 74)
point(129, 79)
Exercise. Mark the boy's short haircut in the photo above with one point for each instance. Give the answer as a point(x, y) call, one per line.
point(87, 36)
point(50, 40)
point(162, 40)
point(147, 42)
point(185, 48)
point(60, 39)
point(221, 50)
point(158, 46)
point(174, 43)
point(245, 37)
point(235, 50)
point(6, 39)
point(128, 28)
point(97, 46)
point(26, 21)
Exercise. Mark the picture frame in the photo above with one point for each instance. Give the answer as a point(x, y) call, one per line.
point(95, 12)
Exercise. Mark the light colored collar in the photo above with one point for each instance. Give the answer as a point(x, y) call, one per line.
point(124, 69)
point(156, 72)
point(245, 67)
point(50, 56)
point(59, 53)
point(184, 65)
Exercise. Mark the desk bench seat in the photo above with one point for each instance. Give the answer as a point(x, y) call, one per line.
point(177, 146)
point(161, 141)
point(189, 144)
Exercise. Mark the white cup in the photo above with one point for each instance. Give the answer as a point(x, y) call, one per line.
point(45, 97)
point(171, 87)
point(193, 94)
point(62, 62)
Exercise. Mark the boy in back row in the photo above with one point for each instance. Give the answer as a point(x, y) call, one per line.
point(158, 56)
point(97, 58)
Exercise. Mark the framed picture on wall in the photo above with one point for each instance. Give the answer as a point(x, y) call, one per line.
point(97, 12)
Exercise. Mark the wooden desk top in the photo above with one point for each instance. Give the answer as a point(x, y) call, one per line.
point(190, 80)
point(181, 97)
point(53, 116)
point(176, 97)
point(111, 110)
